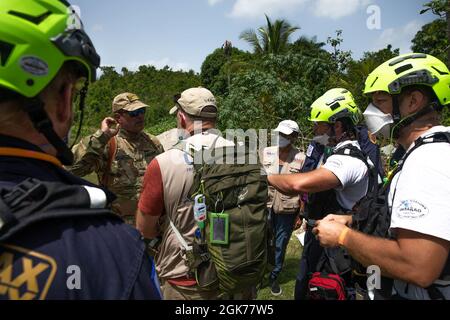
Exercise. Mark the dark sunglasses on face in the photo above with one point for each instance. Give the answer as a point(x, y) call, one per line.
point(135, 113)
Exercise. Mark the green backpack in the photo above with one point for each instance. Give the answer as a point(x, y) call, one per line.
point(235, 231)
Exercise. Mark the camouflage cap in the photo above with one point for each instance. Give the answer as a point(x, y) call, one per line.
point(194, 100)
point(128, 102)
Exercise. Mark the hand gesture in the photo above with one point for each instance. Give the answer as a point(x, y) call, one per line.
point(110, 127)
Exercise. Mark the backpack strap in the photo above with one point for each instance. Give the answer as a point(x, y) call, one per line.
point(354, 152)
point(438, 137)
point(33, 201)
point(180, 238)
point(112, 152)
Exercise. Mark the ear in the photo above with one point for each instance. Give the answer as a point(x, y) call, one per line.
point(64, 110)
point(117, 117)
point(417, 101)
point(338, 126)
point(182, 118)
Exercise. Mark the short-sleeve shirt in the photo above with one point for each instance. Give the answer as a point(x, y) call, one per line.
point(419, 199)
point(353, 175)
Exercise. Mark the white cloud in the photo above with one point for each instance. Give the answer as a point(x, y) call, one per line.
point(399, 37)
point(333, 9)
point(214, 2)
point(158, 64)
point(336, 9)
point(257, 8)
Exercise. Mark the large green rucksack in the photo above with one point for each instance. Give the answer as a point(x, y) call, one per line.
point(236, 191)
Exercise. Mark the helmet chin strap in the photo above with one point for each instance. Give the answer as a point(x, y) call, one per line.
point(43, 125)
point(81, 107)
point(400, 123)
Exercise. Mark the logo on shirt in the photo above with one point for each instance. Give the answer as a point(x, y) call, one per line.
point(310, 151)
point(24, 274)
point(411, 209)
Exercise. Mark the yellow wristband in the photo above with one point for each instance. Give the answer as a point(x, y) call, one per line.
point(342, 236)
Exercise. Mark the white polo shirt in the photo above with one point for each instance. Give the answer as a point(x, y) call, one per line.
point(421, 200)
point(353, 175)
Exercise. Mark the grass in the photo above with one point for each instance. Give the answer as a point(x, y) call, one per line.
point(288, 275)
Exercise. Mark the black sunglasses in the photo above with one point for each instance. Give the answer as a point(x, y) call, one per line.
point(135, 113)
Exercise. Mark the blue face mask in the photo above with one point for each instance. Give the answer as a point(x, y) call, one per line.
point(283, 142)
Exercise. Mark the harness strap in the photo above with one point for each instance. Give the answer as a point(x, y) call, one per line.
point(112, 152)
point(180, 237)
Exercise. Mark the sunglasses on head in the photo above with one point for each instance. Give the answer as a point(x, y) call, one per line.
point(135, 113)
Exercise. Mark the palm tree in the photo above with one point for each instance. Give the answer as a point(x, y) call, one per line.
point(272, 38)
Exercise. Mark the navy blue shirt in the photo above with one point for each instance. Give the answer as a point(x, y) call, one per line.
point(98, 257)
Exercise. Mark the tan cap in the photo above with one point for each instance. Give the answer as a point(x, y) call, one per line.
point(194, 100)
point(128, 102)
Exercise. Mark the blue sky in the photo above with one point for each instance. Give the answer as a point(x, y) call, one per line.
point(129, 33)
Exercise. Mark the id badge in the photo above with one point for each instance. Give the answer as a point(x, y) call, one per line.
point(219, 224)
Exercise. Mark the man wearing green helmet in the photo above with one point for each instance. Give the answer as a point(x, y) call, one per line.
point(336, 186)
point(58, 240)
point(408, 94)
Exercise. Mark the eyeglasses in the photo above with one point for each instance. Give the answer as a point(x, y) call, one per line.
point(135, 113)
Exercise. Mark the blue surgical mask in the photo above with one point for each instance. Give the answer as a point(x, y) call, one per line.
point(283, 142)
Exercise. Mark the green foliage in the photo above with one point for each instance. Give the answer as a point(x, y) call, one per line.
point(154, 87)
point(430, 39)
point(218, 68)
point(279, 81)
point(340, 57)
point(357, 72)
point(270, 39)
point(282, 88)
point(309, 47)
point(438, 7)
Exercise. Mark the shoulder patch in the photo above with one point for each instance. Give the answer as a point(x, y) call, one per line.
point(310, 151)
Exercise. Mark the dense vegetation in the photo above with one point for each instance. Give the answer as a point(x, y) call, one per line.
point(278, 80)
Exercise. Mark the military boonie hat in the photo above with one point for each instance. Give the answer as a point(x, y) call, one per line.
point(128, 102)
point(193, 101)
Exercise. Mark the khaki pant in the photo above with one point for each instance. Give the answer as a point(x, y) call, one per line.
point(173, 292)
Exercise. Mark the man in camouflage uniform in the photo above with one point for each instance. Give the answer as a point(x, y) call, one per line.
point(119, 154)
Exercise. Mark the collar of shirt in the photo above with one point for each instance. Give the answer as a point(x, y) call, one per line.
point(130, 136)
point(430, 132)
point(17, 169)
point(346, 143)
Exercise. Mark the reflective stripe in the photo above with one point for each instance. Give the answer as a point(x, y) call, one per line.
point(180, 237)
point(97, 197)
point(21, 153)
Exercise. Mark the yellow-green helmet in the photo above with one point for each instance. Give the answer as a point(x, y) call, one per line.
point(411, 69)
point(36, 38)
point(335, 104)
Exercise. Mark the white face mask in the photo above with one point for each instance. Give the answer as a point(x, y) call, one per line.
point(283, 142)
point(378, 122)
point(323, 139)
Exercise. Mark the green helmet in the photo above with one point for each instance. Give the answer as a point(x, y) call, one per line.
point(411, 69)
point(333, 105)
point(36, 38)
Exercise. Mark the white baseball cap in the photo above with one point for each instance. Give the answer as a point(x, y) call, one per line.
point(288, 127)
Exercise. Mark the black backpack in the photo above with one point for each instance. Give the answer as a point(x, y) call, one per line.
point(337, 261)
point(33, 201)
point(373, 217)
